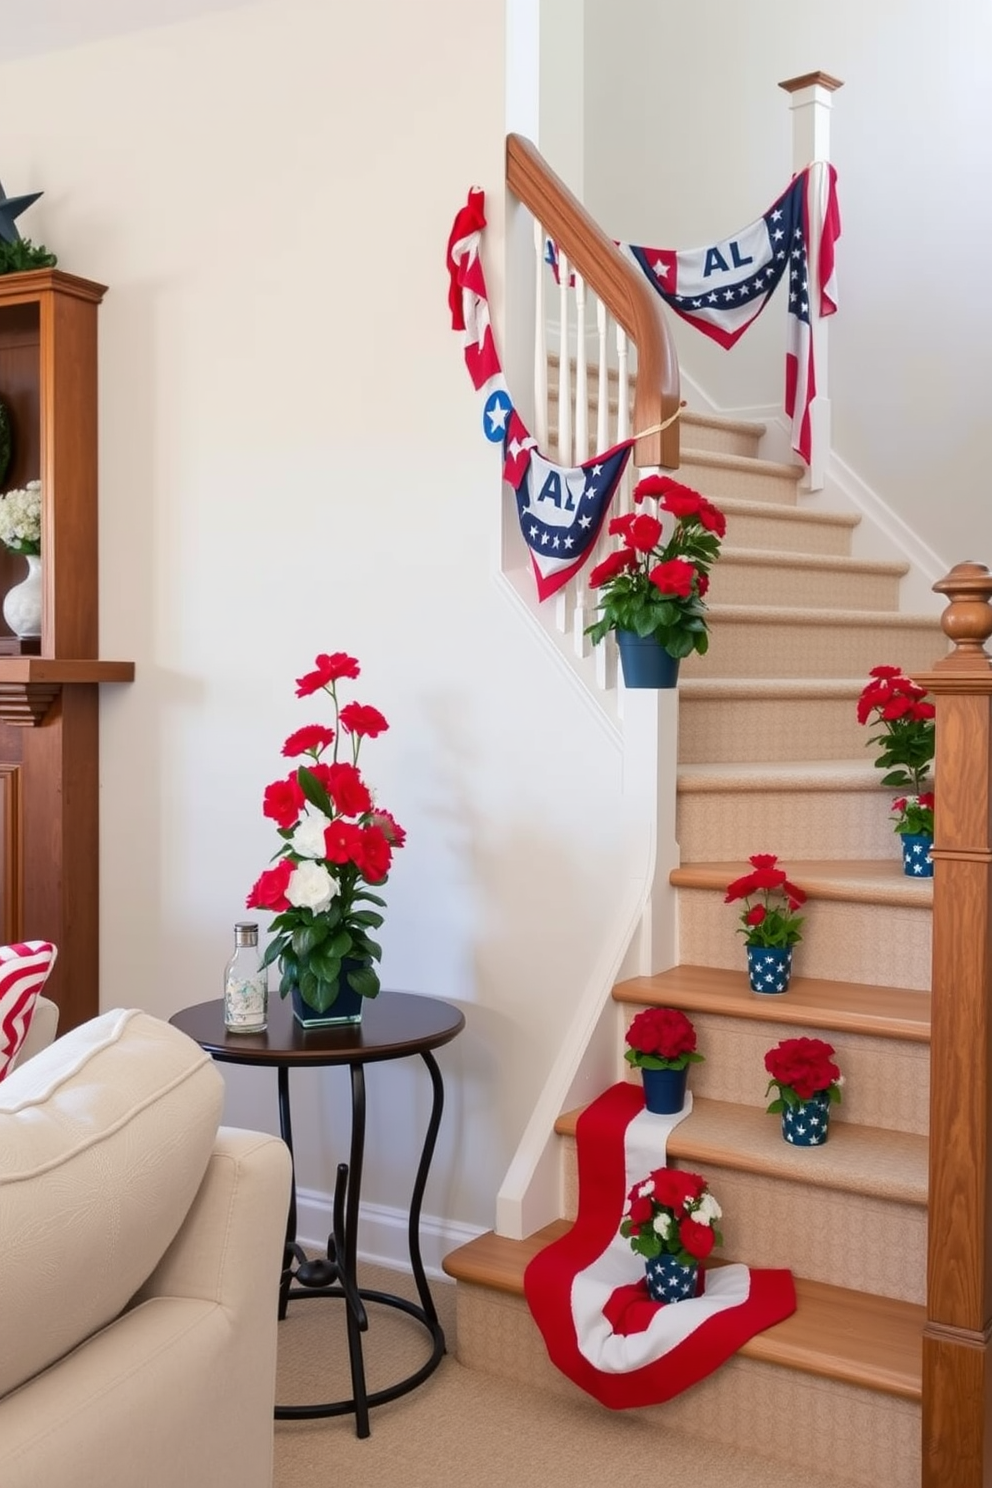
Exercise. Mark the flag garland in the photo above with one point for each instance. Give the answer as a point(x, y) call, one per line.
point(561, 509)
point(721, 289)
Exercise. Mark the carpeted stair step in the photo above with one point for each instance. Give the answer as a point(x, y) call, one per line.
point(775, 1197)
point(752, 720)
point(747, 641)
point(788, 529)
point(881, 1035)
point(827, 808)
point(718, 476)
point(865, 921)
point(824, 581)
point(845, 1370)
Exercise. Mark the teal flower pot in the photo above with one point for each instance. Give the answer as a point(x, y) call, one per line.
point(646, 663)
point(808, 1123)
point(916, 859)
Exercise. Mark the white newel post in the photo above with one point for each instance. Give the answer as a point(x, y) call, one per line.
point(811, 104)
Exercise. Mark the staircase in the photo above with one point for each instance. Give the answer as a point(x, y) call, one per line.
point(771, 759)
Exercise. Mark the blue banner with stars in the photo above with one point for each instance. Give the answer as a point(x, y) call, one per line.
point(560, 508)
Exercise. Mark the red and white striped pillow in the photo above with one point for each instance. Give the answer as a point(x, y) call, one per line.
point(24, 971)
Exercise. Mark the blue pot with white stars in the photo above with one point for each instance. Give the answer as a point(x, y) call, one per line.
point(668, 1281)
point(807, 1124)
point(769, 968)
point(916, 859)
point(645, 662)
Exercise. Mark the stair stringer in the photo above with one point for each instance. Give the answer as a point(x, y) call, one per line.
point(530, 1195)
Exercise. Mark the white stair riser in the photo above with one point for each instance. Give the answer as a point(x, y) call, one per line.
point(718, 481)
point(720, 825)
point(852, 1240)
point(787, 533)
point(782, 583)
point(868, 1439)
point(886, 1081)
point(844, 940)
point(783, 648)
point(742, 730)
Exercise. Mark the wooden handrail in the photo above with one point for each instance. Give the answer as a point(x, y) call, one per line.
point(957, 1357)
point(623, 290)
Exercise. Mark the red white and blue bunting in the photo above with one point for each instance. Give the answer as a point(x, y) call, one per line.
point(561, 509)
point(587, 1292)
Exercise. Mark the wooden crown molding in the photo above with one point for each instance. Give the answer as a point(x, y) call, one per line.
point(812, 80)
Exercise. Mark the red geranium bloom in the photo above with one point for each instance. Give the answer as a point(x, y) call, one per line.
point(310, 739)
point(362, 721)
point(665, 1032)
point(620, 526)
point(756, 915)
point(884, 671)
point(644, 533)
point(682, 502)
point(343, 842)
point(395, 834)
point(673, 577)
point(347, 790)
point(611, 565)
point(697, 1238)
point(374, 854)
point(328, 669)
point(283, 801)
point(676, 1188)
point(712, 518)
point(269, 891)
point(641, 1210)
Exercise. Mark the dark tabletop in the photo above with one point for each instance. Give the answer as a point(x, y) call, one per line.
point(394, 1024)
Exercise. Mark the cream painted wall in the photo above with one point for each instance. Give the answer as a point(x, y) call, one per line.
point(291, 462)
point(688, 136)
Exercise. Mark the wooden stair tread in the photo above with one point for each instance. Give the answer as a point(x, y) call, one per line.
point(856, 1159)
point(851, 1007)
point(862, 1339)
point(869, 881)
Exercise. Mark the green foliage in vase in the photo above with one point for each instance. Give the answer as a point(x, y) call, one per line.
point(23, 255)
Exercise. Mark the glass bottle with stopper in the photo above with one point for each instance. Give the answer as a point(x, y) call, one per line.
point(246, 984)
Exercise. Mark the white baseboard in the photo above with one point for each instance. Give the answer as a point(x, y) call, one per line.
point(382, 1233)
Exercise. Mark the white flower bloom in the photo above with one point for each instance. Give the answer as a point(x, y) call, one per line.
point(311, 887)
point(20, 515)
point(662, 1225)
point(308, 839)
point(709, 1210)
point(646, 1189)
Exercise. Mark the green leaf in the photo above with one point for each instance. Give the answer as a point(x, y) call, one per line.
point(364, 981)
point(315, 793)
point(324, 964)
point(367, 917)
point(372, 898)
point(308, 937)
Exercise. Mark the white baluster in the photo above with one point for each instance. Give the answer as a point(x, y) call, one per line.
point(581, 617)
point(603, 440)
point(565, 598)
point(540, 342)
point(623, 499)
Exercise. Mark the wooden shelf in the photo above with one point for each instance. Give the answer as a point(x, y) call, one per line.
point(29, 685)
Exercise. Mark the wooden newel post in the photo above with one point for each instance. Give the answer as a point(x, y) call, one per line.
point(957, 1367)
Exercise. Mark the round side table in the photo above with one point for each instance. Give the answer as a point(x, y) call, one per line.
point(395, 1025)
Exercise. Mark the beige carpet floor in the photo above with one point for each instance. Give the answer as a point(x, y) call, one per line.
point(464, 1428)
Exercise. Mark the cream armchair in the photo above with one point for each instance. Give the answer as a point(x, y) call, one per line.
point(141, 1252)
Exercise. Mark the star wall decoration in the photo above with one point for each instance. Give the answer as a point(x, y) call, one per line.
point(11, 207)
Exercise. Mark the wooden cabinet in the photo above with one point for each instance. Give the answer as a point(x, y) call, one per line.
point(49, 703)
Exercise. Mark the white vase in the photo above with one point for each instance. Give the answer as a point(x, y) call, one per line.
point(22, 604)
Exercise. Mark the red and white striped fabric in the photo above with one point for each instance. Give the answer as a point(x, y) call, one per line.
point(587, 1294)
point(24, 970)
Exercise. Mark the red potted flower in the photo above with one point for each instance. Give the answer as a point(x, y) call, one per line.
point(897, 707)
point(661, 1043)
point(808, 1083)
point(670, 1219)
point(770, 923)
point(653, 585)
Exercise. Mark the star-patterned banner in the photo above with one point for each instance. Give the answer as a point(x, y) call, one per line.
point(722, 289)
point(560, 508)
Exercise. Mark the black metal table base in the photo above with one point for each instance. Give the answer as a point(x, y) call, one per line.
point(335, 1275)
point(373, 1397)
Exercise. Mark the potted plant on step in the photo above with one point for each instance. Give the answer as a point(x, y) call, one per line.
point(808, 1083)
point(670, 1220)
point(661, 1043)
point(897, 706)
point(652, 587)
point(770, 923)
point(335, 842)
